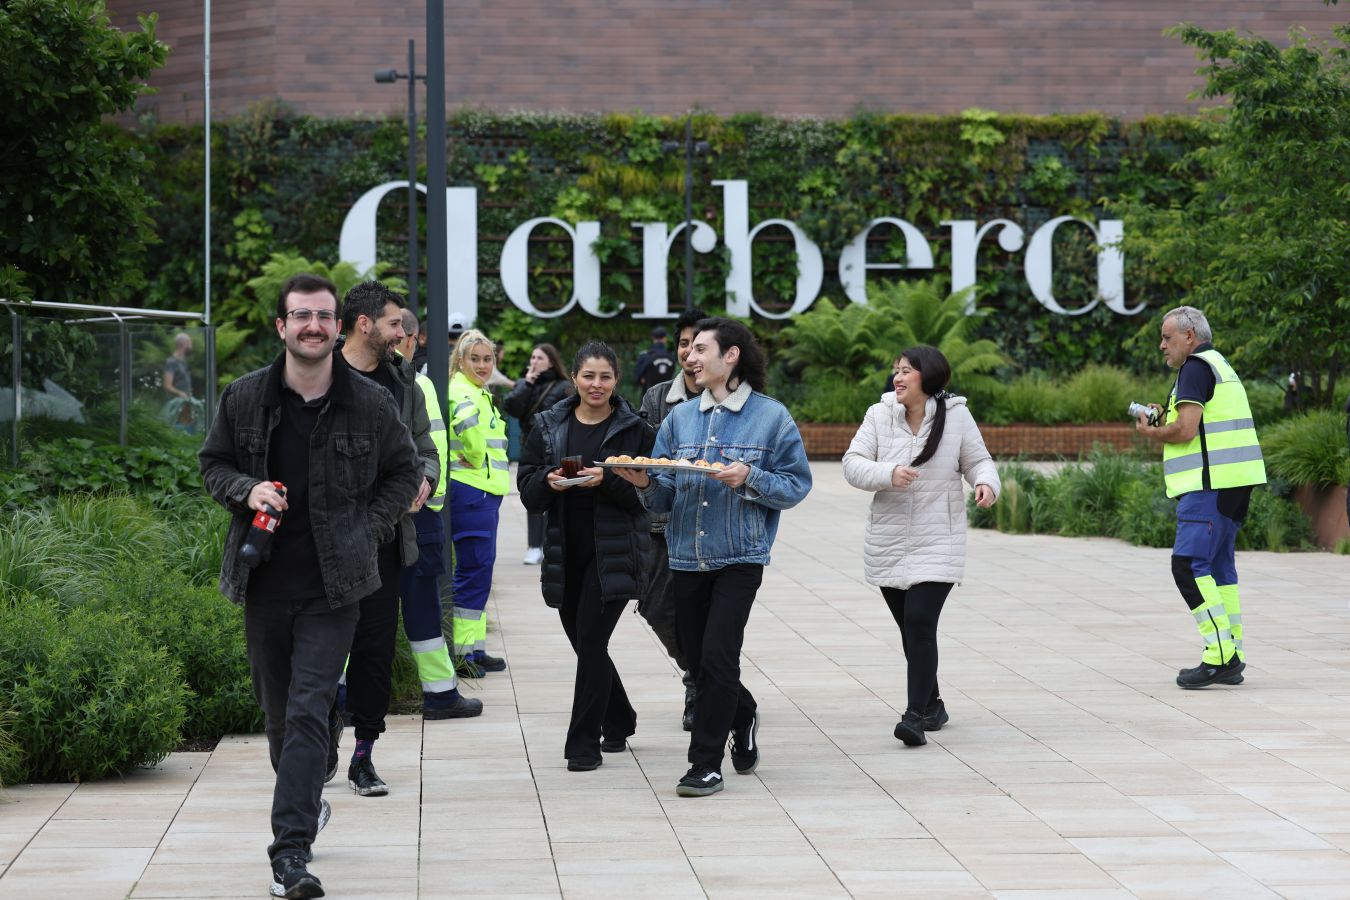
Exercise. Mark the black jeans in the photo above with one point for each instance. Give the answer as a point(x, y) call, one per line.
point(295, 654)
point(916, 610)
point(600, 705)
point(657, 606)
point(371, 664)
point(711, 611)
point(535, 523)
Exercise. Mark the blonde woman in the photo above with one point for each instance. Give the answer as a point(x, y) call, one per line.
point(912, 450)
point(479, 478)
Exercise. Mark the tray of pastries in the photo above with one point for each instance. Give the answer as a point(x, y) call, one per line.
point(697, 466)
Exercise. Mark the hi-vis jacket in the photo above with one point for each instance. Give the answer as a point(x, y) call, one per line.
point(437, 431)
point(1224, 452)
point(477, 439)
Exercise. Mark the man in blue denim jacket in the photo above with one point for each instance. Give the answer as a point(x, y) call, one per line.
point(722, 527)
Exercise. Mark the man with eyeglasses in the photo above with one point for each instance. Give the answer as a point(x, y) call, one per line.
point(350, 471)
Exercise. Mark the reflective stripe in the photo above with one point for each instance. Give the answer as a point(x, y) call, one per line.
point(437, 424)
point(457, 466)
point(1230, 425)
point(438, 687)
point(461, 427)
point(1190, 461)
point(497, 443)
point(501, 464)
point(436, 502)
point(456, 444)
point(1235, 618)
point(429, 645)
point(467, 404)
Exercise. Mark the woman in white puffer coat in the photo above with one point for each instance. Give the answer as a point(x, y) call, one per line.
point(912, 450)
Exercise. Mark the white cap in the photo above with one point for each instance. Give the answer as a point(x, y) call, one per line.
point(458, 323)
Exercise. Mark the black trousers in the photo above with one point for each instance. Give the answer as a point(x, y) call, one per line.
point(295, 654)
point(916, 610)
point(535, 523)
point(600, 706)
point(370, 666)
point(657, 606)
point(711, 611)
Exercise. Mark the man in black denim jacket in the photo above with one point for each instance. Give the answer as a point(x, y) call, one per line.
point(350, 469)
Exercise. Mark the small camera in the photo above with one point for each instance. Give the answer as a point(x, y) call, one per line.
point(1138, 408)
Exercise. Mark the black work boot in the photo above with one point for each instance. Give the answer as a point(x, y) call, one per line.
point(1206, 674)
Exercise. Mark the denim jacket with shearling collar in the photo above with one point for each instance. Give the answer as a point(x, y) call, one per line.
point(713, 526)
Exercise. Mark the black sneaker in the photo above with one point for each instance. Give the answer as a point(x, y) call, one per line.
point(489, 663)
point(1206, 674)
point(690, 696)
point(910, 730)
point(584, 763)
point(617, 745)
point(436, 707)
point(292, 880)
point(334, 739)
point(935, 716)
point(745, 746)
point(699, 781)
point(361, 778)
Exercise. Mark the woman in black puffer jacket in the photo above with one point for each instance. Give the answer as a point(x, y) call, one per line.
point(595, 542)
point(544, 383)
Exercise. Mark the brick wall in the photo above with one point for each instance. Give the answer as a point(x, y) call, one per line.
point(828, 441)
point(793, 57)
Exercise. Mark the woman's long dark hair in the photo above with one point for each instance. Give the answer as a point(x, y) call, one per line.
point(555, 362)
point(934, 375)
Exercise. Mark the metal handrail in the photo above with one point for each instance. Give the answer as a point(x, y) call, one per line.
point(110, 310)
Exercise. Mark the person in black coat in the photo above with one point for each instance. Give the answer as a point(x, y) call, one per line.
point(595, 542)
point(544, 383)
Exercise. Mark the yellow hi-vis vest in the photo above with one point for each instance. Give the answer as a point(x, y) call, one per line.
point(434, 415)
point(1224, 452)
point(477, 438)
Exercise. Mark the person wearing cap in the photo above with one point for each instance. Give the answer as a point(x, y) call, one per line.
point(457, 323)
point(657, 364)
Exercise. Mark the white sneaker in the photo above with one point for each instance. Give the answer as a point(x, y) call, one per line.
point(534, 556)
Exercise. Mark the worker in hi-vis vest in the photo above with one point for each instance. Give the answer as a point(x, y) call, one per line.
point(479, 477)
point(1211, 462)
point(419, 584)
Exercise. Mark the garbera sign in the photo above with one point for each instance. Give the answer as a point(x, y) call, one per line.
point(357, 244)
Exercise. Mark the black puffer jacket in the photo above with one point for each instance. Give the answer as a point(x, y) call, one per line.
point(621, 525)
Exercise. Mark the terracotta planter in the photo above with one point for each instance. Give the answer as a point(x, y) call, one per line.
point(1326, 513)
point(826, 440)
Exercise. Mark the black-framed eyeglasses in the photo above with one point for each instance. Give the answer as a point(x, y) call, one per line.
point(302, 316)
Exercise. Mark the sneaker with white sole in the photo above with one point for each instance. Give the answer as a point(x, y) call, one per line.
point(290, 879)
point(745, 746)
point(534, 556)
point(325, 813)
point(361, 778)
point(699, 781)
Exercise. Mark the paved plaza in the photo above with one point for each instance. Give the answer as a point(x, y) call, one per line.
point(1073, 766)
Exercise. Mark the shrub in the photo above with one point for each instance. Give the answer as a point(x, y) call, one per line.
point(1091, 493)
point(836, 401)
point(1032, 397)
point(1308, 449)
point(1274, 523)
point(1099, 394)
point(1013, 511)
point(34, 559)
point(1146, 516)
point(201, 631)
point(197, 527)
point(90, 697)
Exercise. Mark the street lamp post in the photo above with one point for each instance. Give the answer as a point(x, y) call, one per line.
point(691, 149)
point(389, 76)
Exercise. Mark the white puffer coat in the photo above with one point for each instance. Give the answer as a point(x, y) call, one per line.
point(917, 533)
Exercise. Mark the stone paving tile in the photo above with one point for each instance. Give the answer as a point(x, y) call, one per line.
point(1072, 766)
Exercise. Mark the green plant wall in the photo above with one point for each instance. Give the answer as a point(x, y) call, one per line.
point(284, 183)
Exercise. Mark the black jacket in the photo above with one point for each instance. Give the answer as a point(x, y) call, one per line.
point(621, 527)
point(363, 474)
point(525, 399)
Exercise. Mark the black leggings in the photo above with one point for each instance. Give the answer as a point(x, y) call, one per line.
point(916, 611)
